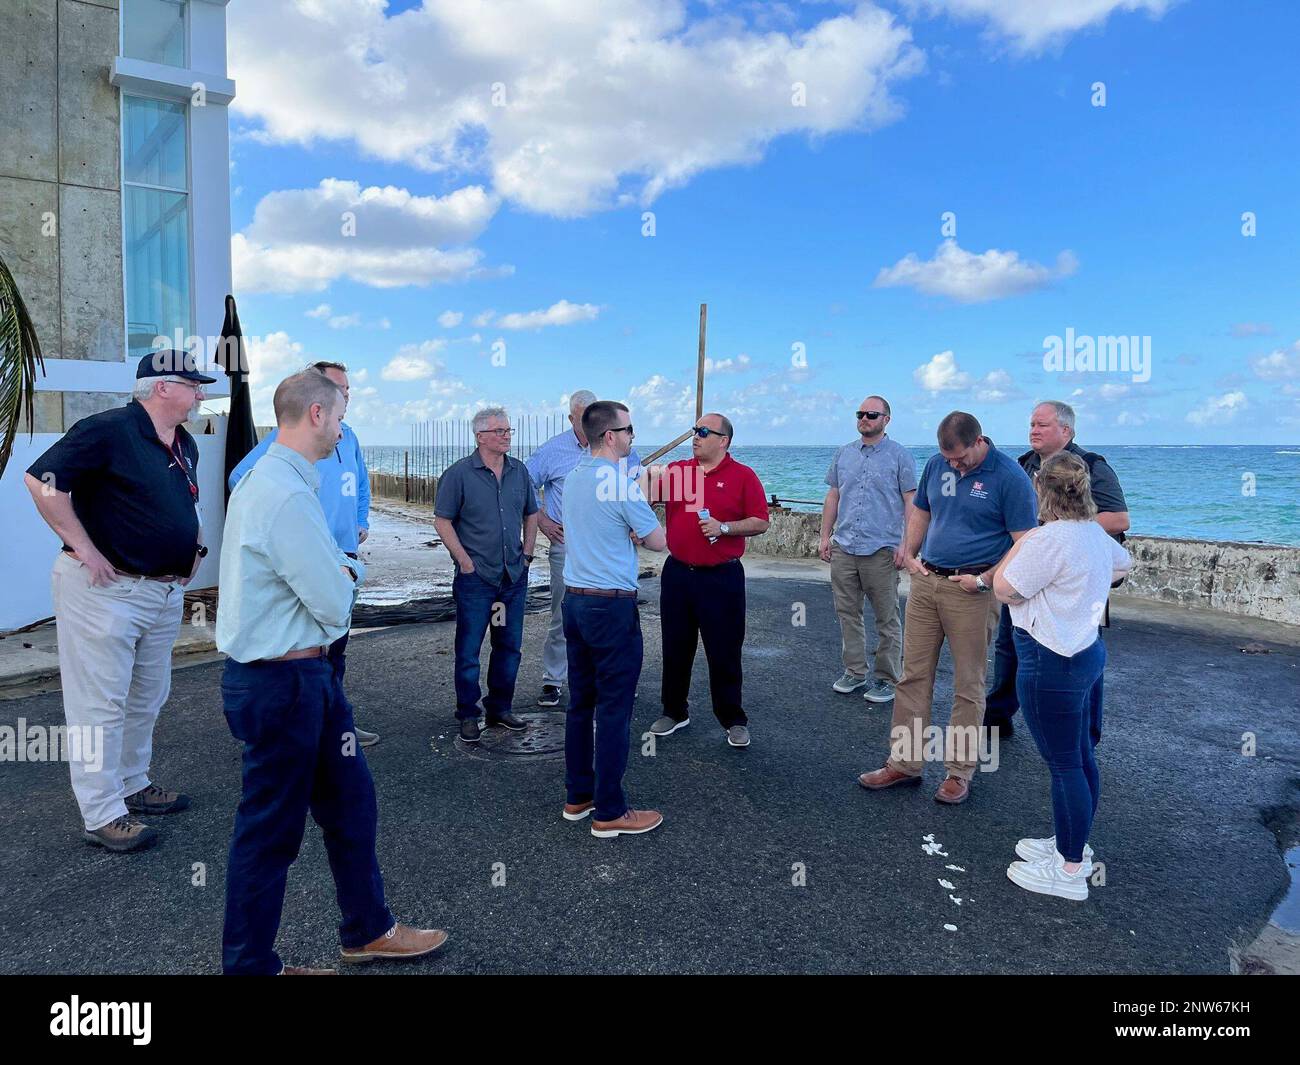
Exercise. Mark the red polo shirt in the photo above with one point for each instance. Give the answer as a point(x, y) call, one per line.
point(731, 492)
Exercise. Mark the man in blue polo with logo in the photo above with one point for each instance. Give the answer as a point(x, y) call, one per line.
point(345, 497)
point(972, 503)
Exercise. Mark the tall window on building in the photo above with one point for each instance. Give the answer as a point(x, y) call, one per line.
point(154, 30)
point(155, 193)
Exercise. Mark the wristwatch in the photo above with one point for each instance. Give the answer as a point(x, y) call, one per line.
point(979, 583)
point(203, 550)
point(725, 529)
point(528, 559)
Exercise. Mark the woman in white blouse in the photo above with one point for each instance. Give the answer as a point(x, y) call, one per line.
point(1056, 580)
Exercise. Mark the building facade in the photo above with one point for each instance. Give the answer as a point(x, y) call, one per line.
point(115, 221)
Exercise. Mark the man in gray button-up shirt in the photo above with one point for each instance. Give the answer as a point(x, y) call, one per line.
point(486, 514)
point(872, 481)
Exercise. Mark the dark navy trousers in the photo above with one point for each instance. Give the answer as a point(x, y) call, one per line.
point(300, 756)
point(603, 638)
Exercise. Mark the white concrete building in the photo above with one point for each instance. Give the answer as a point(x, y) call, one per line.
point(115, 220)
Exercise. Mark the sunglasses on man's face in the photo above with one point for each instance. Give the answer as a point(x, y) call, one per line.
point(623, 429)
point(704, 432)
point(870, 415)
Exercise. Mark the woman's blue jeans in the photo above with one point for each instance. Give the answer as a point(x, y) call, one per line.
point(1061, 700)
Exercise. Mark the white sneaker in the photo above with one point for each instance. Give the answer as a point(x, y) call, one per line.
point(848, 682)
point(1048, 877)
point(1035, 850)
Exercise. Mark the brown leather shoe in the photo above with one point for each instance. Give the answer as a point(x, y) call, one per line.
point(124, 834)
point(401, 941)
point(302, 970)
point(155, 800)
point(952, 791)
point(887, 777)
point(576, 811)
point(632, 823)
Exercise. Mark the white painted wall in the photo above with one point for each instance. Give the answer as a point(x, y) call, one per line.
point(28, 546)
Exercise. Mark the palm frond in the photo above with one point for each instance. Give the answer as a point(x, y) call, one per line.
point(20, 356)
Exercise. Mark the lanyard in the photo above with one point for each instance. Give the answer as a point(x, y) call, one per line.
point(178, 453)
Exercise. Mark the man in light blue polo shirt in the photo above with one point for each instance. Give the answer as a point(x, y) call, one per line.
point(548, 466)
point(871, 480)
point(344, 496)
point(606, 517)
point(972, 503)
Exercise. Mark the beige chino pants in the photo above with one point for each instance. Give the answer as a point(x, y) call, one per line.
point(873, 578)
point(938, 610)
point(115, 658)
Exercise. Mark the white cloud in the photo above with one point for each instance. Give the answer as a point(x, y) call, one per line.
point(997, 386)
point(727, 366)
point(561, 313)
point(414, 362)
point(659, 401)
point(321, 311)
point(484, 318)
point(345, 321)
point(450, 319)
point(1278, 364)
point(1219, 409)
point(271, 359)
point(601, 101)
point(1033, 25)
point(1252, 329)
point(941, 374)
point(969, 278)
point(301, 240)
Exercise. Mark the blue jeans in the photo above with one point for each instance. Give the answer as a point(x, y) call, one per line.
point(1062, 703)
point(475, 599)
point(1001, 702)
point(603, 638)
point(291, 718)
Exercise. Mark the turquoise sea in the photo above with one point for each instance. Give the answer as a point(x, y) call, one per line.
point(1202, 491)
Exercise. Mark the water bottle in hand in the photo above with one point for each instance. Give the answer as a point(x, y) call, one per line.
point(704, 516)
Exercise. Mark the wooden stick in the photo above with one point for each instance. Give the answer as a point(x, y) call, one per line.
point(667, 448)
point(699, 372)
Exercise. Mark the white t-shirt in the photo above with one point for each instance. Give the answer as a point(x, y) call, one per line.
point(1064, 570)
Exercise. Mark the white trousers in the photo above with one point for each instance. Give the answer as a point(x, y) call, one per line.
point(555, 654)
point(115, 658)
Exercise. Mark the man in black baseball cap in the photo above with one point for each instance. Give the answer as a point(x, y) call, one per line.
point(120, 489)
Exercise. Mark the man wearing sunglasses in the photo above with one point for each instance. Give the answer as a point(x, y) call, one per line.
point(872, 481)
point(486, 516)
point(972, 503)
point(711, 503)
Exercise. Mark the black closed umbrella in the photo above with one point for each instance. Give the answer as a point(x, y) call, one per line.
point(241, 433)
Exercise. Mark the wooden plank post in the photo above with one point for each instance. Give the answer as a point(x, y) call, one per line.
point(699, 391)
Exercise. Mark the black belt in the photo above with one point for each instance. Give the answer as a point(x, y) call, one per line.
point(957, 571)
point(713, 565)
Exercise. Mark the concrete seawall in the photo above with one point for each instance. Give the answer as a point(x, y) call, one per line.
point(1254, 580)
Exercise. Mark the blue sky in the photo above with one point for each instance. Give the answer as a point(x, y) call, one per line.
point(794, 223)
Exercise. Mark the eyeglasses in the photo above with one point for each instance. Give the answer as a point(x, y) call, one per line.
point(497, 432)
point(622, 429)
point(703, 432)
point(870, 415)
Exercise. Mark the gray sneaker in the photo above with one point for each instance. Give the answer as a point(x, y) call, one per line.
point(124, 834)
point(849, 682)
point(364, 738)
point(666, 726)
point(881, 691)
point(738, 736)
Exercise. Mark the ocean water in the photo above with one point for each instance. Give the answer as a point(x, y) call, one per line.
point(1201, 491)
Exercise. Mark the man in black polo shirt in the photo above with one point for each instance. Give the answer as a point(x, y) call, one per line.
point(1051, 429)
point(486, 514)
point(121, 491)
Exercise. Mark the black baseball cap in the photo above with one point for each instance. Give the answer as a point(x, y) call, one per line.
point(171, 363)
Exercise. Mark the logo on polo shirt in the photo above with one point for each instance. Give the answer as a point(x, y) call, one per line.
point(977, 491)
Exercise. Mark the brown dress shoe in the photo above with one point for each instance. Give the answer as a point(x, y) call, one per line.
point(400, 941)
point(632, 823)
point(303, 970)
point(953, 791)
point(887, 777)
point(576, 811)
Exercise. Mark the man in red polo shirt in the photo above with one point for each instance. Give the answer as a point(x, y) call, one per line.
point(712, 503)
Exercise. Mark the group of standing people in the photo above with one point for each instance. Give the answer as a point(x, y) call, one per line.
point(1026, 548)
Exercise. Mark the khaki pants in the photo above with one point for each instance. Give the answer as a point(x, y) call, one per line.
point(938, 609)
point(115, 660)
point(873, 577)
point(555, 658)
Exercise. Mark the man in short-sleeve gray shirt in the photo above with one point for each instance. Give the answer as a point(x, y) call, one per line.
point(872, 481)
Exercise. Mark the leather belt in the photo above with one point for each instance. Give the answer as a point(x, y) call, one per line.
point(607, 593)
point(141, 576)
point(957, 571)
point(305, 652)
point(710, 565)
